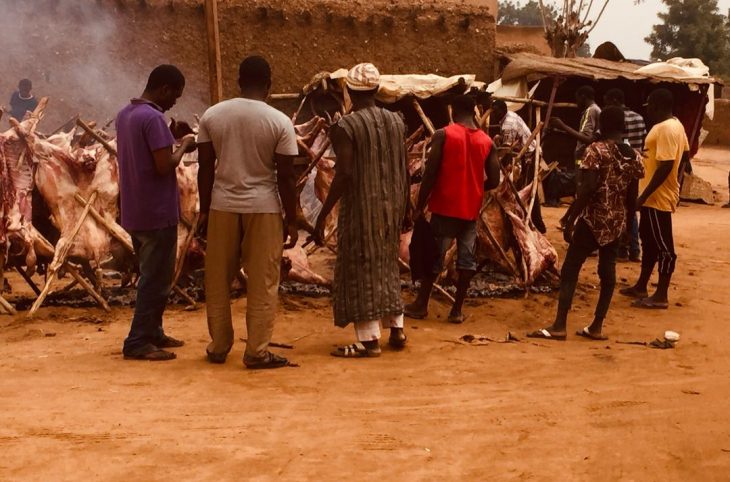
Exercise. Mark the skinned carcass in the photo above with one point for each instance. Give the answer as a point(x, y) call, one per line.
point(65, 172)
point(20, 242)
point(537, 255)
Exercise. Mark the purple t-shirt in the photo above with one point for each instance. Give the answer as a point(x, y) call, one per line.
point(149, 200)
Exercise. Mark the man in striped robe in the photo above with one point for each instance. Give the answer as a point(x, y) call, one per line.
point(371, 184)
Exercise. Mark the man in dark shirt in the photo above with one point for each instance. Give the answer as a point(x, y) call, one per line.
point(150, 206)
point(597, 221)
point(22, 100)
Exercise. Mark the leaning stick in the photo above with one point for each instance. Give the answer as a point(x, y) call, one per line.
point(87, 286)
point(7, 306)
point(96, 136)
point(62, 126)
point(532, 137)
point(114, 229)
point(28, 280)
point(495, 243)
point(184, 295)
point(548, 114)
point(186, 245)
point(315, 160)
point(436, 286)
point(60, 257)
point(117, 232)
point(424, 118)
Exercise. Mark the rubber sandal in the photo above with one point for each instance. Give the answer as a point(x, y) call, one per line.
point(397, 339)
point(586, 333)
point(633, 293)
point(356, 350)
point(649, 304)
point(169, 342)
point(267, 362)
point(152, 355)
point(546, 335)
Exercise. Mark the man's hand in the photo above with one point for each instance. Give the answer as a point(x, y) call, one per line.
point(556, 123)
point(188, 143)
point(568, 231)
point(318, 234)
point(202, 227)
point(291, 233)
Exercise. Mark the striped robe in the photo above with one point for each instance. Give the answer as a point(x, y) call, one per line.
point(367, 275)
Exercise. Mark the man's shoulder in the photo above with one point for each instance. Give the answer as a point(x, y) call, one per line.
point(633, 117)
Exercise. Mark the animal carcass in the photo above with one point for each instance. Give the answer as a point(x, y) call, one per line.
point(63, 172)
point(20, 242)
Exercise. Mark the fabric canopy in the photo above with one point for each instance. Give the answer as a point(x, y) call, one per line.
point(533, 67)
point(395, 87)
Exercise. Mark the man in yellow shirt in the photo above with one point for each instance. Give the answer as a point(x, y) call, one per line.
point(666, 149)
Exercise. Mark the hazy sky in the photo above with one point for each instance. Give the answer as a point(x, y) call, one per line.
point(626, 25)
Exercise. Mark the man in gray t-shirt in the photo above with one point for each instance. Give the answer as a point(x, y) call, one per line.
point(242, 199)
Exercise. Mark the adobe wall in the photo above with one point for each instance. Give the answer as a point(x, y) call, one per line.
point(91, 57)
point(719, 127)
point(512, 38)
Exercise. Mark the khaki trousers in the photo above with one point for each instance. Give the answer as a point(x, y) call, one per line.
point(254, 240)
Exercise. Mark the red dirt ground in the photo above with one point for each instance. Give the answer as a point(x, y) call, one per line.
point(579, 410)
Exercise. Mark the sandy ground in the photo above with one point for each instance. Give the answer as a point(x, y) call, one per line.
point(71, 408)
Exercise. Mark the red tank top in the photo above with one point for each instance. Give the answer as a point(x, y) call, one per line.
point(459, 188)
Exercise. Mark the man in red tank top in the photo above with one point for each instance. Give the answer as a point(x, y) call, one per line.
point(460, 166)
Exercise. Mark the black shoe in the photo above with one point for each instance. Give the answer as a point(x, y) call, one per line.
point(217, 358)
point(150, 353)
point(169, 342)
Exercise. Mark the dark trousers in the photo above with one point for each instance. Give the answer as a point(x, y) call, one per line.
point(156, 252)
point(630, 246)
point(657, 241)
point(584, 243)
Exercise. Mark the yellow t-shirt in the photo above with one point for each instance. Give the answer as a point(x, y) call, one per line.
point(666, 141)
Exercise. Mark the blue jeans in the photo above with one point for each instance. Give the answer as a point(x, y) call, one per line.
point(445, 230)
point(156, 251)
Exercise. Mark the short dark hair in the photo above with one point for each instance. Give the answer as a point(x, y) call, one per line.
point(662, 98)
point(165, 75)
point(499, 104)
point(612, 120)
point(615, 95)
point(463, 104)
point(254, 71)
point(25, 83)
point(586, 91)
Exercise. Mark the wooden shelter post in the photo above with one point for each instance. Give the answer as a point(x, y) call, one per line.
point(214, 51)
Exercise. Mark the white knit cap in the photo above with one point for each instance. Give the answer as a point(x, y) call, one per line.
point(363, 77)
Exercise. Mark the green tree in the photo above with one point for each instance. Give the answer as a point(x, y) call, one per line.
point(528, 15)
point(692, 28)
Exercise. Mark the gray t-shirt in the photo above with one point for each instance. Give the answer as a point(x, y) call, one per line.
point(246, 134)
point(589, 121)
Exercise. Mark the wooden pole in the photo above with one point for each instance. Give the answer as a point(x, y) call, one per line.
point(520, 100)
point(424, 118)
point(538, 148)
point(214, 51)
point(60, 258)
point(303, 178)
point(96, 136)
point(4, 304)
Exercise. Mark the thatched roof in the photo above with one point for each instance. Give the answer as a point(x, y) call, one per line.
point(536, 67)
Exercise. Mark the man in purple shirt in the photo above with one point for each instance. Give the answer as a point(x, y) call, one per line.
point(150, 206)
